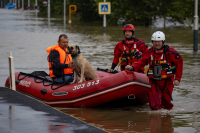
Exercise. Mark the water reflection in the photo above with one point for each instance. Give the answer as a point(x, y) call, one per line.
point(123, 120)
point(19, 119)
point(11, 117)
point(195, 57)
point(49, 22)
point(196, 121)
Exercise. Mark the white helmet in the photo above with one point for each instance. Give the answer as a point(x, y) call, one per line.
point(158, 36)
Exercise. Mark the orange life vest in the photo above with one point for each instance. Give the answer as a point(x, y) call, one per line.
point(64, 59)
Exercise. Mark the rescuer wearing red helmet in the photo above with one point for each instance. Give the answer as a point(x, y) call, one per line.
point(129, 50)
point(165, 71)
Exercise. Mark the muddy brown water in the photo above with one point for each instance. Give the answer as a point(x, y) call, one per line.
point(27, 37)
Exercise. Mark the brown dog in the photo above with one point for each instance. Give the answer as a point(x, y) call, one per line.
point(82, 65)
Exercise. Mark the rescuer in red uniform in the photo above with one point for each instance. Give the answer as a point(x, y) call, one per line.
point(129, 50)
point(165, 63)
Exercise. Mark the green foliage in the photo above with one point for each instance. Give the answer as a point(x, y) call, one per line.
point(87, 9)
point(137, 12)
point(182, 10)
point(56, 7)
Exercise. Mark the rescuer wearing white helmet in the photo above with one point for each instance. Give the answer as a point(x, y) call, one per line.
point(165, 71)
point(158, 39)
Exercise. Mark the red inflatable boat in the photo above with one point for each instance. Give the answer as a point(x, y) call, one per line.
point(109, 87)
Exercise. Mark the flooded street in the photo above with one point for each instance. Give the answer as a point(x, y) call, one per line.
point(27, 37)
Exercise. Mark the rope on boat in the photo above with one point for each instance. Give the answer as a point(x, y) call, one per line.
point(52, 83)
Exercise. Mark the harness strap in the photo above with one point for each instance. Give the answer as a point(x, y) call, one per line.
point(163, 87)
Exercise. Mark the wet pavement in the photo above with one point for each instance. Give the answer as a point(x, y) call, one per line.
point(20, 114)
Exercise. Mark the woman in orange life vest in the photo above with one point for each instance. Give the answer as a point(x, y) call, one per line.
point(60, 62)
point(129, 50)
point(164, 63)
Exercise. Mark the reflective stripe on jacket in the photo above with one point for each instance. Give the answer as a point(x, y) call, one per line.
point(129, 55)
point(159, 68)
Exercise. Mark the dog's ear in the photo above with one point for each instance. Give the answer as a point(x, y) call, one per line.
point(77, 47)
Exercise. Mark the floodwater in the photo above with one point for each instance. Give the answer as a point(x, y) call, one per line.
point(27, 37)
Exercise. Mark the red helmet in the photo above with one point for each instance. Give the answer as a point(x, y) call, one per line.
point(129, 27)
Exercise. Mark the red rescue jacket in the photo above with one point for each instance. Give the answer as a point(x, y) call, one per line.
point(167, 57)
point(128, 51)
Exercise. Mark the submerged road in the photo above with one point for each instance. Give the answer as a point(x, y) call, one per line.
point(20, 114)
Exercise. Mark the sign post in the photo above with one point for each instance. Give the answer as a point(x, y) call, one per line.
point(72, 11)
point(28, 7)
point(64, 12)
point(22, 5)
point(196, 27)
point(48, 9)
point(11, 72)
point(18, 4)
point(104, 8)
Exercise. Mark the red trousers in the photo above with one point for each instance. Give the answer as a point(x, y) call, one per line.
point(160, 95)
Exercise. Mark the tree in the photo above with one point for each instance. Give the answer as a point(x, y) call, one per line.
point(88, 10)
point(138, 12)
point(55, 5)
point(176, 10)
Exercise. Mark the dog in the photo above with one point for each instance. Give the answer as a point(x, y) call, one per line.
point(83, 67)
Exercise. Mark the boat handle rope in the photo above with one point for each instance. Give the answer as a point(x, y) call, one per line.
point(36, 81)
point(43, 80)
point(59, 86)
point(22, 77)
point(52, 84)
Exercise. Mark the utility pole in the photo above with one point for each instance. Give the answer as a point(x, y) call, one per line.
point(64, 12)
point(22, 5)
point(29, 4)
point(48, 8)
point(104, 22)
point(18, 4)
point(196, 27)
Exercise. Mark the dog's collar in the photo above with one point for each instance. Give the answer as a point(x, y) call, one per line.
point(77, 54)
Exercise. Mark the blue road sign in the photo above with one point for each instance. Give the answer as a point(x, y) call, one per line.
point(35, 7)
point(104, 8)
point(10, 6)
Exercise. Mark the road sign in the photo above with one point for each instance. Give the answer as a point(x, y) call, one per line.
point(104, 8)
point(10, 6)
point(45, 3)
point(35, 7)
point(28, 7)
